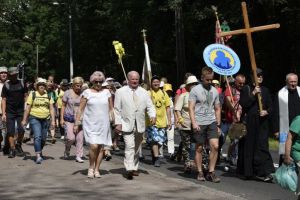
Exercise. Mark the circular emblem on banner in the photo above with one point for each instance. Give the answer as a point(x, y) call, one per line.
point(222, 59)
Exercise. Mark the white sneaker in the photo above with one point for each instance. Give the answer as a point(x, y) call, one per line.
point(78, 159)
point(62, 137)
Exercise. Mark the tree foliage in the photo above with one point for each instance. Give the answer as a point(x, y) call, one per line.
point(95, 24)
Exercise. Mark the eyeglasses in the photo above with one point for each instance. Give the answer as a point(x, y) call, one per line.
point(98, 82)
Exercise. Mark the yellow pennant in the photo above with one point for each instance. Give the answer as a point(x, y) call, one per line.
point(120, 51)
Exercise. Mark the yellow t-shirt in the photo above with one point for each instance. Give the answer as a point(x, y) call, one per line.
point(40, 106)
point(59, 97)
point(161, 101)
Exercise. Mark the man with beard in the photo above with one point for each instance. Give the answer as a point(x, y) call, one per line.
point(205, 114)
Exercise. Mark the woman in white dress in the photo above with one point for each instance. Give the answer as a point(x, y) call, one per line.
point(95, 104)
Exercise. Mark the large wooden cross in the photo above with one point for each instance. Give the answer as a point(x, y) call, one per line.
point(248, 30)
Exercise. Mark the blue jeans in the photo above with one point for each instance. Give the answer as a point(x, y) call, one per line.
point(40, 128)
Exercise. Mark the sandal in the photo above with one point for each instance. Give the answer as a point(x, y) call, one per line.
point(91, 173)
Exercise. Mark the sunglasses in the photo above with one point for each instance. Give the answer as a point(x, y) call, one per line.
point(259, 75)
point(98, 82)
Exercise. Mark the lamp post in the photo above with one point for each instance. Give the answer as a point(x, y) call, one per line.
point(37, 53)
point(70, 37)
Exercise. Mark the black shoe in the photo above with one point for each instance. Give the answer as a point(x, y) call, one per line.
point(268, 178)
point(5, 150)
point(107, 157)
point(141, 158)
point(157, 162)
point(172, 157)
point(129, 175)
point(26, 139)
point(19, 150)
point(12, 153)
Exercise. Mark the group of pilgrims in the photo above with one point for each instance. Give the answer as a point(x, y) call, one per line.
point(106, 116)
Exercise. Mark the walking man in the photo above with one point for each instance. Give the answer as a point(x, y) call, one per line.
point(3, 79)
point(286, 108)
point(205, 114)
point(131, 102)
point(13, 95)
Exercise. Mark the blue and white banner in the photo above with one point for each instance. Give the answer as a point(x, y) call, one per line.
point(222, 59)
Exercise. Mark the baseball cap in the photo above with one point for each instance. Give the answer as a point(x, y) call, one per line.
point(13, 70)
point(3, 69)
point(168, 87)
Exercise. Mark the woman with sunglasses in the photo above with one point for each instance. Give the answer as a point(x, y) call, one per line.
point(40, 110)
point(96, 103)
point(70, 105)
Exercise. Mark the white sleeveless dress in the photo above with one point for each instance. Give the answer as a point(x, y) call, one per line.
point(95, 123)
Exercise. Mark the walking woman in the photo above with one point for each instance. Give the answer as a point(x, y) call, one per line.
point(96, 103)
point(39, 110)
point(184, 122)
point(70, 105)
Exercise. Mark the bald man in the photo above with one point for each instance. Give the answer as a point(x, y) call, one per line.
point(131, 102)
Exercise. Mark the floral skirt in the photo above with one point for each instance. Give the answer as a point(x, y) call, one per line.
point(157, 135)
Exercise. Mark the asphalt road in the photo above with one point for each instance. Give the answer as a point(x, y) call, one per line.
point(230, 183)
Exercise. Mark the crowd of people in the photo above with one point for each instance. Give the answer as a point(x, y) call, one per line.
point(101, 111)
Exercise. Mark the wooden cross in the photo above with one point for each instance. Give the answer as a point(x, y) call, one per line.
point(248, 30)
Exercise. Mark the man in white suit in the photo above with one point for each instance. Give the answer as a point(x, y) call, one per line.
point(131, 102)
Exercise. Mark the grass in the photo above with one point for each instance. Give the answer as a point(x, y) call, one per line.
point(273, 144)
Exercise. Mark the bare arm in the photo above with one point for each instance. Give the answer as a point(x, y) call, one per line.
point(288, 145)
point(82, 105)
point(169, 117)
point(195, 126)
point(3, 105)
point(218, 113)
point(52, 115)
point(62, 111)
point(111, 109)
point(26, 114)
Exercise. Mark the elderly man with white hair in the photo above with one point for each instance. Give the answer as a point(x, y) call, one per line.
point(131, 102)
point(287, 107)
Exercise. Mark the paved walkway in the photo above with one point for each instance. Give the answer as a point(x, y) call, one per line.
point(55, 178)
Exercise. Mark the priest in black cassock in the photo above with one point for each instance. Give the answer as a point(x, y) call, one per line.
point(254, 158)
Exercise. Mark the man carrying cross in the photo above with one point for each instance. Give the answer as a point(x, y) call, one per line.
point(254, 158)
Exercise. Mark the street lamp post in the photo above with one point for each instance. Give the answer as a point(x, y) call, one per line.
point(70, 37)
point(71, 46)
point(37, 53)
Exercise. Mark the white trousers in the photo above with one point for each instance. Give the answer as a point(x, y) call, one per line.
point(170, 137)
point(132, 141)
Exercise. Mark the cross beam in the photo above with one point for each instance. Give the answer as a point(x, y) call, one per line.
point(248, 30)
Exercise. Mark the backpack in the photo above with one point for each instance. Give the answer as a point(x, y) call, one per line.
point(8, 86)
point(34, 95)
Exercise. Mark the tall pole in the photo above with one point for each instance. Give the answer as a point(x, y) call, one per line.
point(70, 37)
point(180, 47)
point(37, 60)
point(148, 64)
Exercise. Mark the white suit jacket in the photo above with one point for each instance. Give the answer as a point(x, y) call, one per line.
point(128, 113)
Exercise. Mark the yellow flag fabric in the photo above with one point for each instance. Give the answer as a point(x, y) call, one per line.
point(120, 51)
